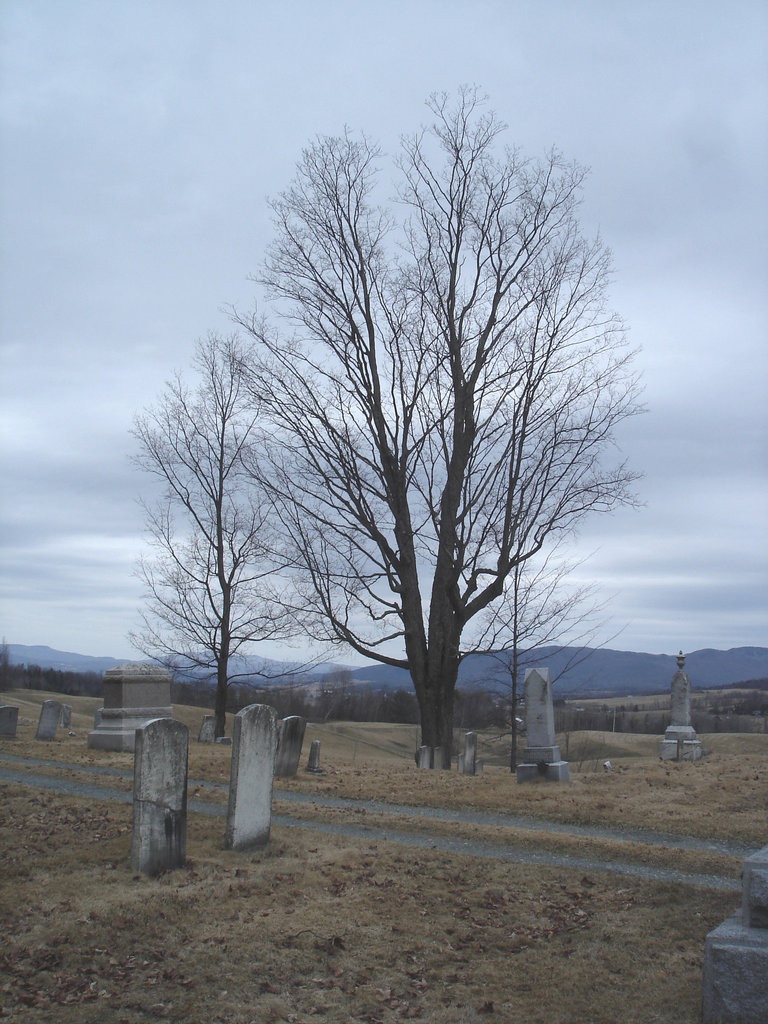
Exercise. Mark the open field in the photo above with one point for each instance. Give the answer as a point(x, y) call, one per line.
point(324, 927)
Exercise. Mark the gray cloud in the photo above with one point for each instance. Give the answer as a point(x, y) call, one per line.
point(141, 140)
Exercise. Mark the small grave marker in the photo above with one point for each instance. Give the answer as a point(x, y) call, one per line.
point(50, 712)
point(289, 746)
point(207, 732)
point(254, 745)
point(159, 838)
point(9, 718)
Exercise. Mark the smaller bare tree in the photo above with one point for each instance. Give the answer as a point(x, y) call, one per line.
point(208, 584)
point(541, 610)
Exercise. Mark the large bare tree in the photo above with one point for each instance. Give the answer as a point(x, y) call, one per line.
point(445, 400)
point(208, 580)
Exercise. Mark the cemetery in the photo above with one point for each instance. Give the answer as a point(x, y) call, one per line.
point(350, 884)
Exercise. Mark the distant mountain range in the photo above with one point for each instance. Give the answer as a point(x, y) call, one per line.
point(575, 671)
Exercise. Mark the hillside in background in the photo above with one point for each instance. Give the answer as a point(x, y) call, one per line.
point(576, 671)
point(596, 672)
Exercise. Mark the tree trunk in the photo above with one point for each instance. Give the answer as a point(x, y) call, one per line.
point(220, 708)
point(436, 700)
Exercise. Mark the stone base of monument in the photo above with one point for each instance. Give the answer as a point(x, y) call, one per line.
point(680, 744)
point(735, 974)
point(134, 694)
point(543, 763)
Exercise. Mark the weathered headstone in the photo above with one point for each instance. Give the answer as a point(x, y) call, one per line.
point(680, 743)
point(254, 746)
point(50, 713)
point(134, 693)
point(541, 756)
point(289, 745)
point(65, 717)
point(207, 732)
point(735, 974)
point(424, 757)
point(9, 719)
point(159, 838)
point(469, 760)
point(313, 764)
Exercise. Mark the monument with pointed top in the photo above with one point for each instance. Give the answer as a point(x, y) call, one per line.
point(541, 757)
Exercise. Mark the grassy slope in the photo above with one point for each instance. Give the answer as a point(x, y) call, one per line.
point(317, 928)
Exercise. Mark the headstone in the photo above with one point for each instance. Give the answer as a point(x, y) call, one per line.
point(735, 973)
point(225, 741)
point(207, 732)
point(469, 760)
point(424, 757)
point(159, 838)
point(65, 717)
point(680, 743)
point(9, 718)
point(50, 712)
point(437, 757)
point(313, 764)
point(254, 746)
point(541, 756)
point(134, 693)
point(97, 716)
point(289, 746)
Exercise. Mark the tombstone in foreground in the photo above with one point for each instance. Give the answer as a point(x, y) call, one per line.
point(134, 693)
point(289, 745)
point(735, 973)
point(680, 743)
point(159, 840)
point(207, 732)
point(50, 712)
point(9, 719)
point(254, 745)
point(541, 756)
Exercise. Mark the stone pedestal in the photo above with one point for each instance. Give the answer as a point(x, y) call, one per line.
point(735, 974)
point(680, 744)
point(134, 694)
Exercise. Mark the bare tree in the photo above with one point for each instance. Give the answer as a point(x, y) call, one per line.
point(207, 584)
point(445, 402)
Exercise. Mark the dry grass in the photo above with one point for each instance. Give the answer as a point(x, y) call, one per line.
point(322, 928)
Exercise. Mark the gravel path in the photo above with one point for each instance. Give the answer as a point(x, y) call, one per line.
point(421, 840)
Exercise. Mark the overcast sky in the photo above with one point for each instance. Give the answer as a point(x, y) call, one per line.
point(140, 141)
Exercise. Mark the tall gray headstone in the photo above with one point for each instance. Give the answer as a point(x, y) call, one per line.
point(680, 742)
point(254, 745)
point(50, 713)
point(735, 973)
point(469, 760)
point(134, 693)
point(289, 745)
point(9, 718)
point(159, 840)
point(541, 756)
point(207, 732)
point(424, 757)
